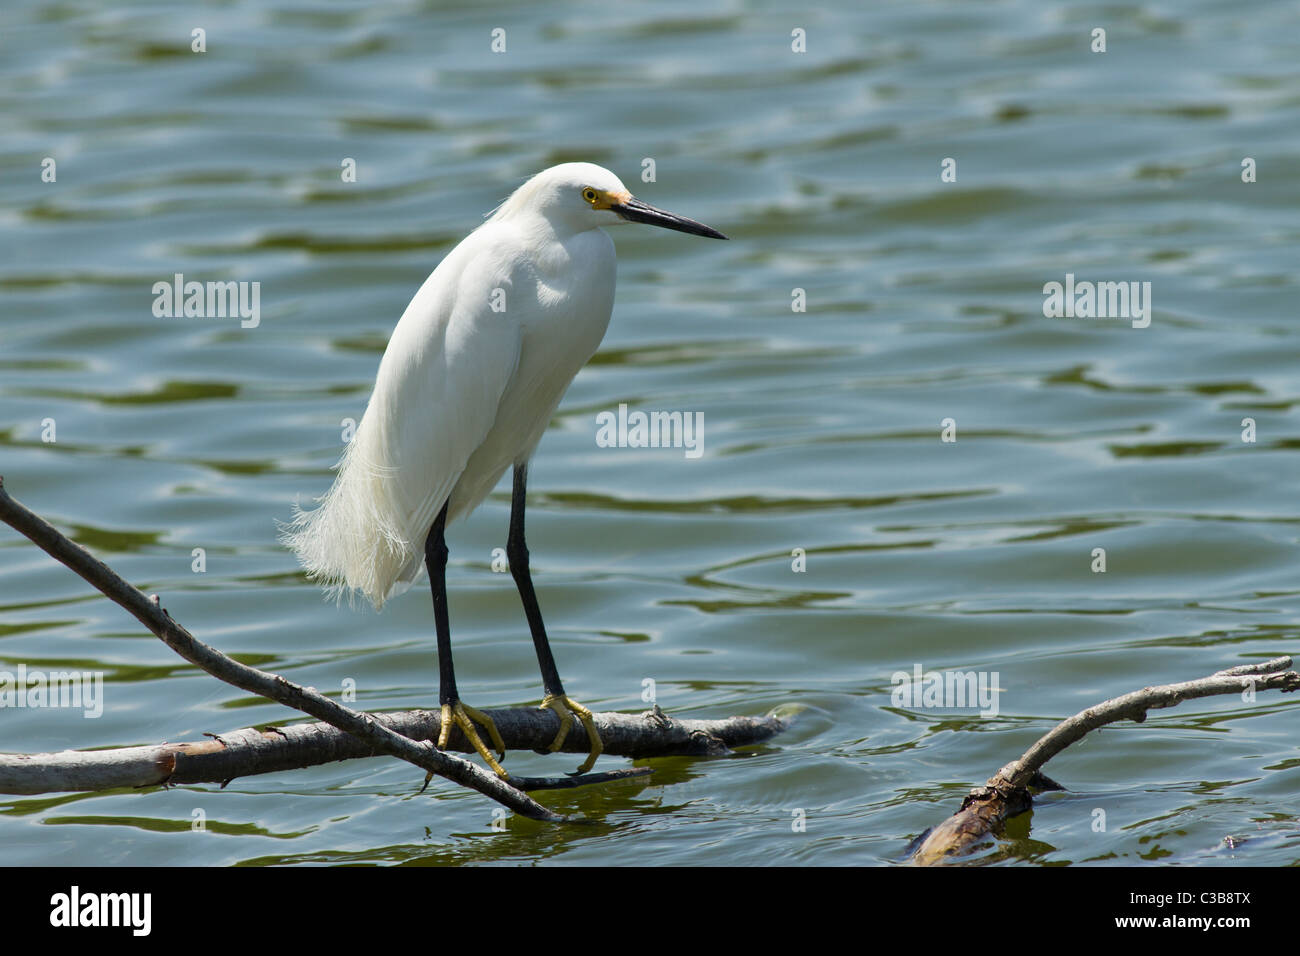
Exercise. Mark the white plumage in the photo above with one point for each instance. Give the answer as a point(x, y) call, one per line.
point(469, 381)
point(463, 391)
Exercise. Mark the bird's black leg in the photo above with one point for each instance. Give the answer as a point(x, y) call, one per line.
point(555, 699)
point(435, 561)
point(453, 711)
point(517, 554)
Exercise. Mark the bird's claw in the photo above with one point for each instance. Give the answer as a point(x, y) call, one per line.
point(565, 707)
point(462, 716)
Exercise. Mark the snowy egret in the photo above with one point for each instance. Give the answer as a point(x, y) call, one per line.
point(472, 374)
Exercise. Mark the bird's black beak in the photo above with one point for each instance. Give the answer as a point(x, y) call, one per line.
point(634, 210)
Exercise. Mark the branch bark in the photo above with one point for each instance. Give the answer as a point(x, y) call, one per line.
point(373, 731)
point(1008, 792)
point(250, 751)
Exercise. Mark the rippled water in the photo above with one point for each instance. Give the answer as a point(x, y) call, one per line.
point(822, 428)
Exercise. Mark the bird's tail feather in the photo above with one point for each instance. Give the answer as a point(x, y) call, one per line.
point(358, 540)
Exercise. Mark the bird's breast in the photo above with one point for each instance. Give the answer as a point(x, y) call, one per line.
point(562, 312)
point(568, 297)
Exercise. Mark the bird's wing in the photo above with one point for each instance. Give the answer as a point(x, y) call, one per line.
point(440, 383)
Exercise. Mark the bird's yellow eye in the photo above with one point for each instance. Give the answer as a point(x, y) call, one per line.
point(590, 195)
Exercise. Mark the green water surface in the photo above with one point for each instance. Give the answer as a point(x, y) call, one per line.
point(924, 302)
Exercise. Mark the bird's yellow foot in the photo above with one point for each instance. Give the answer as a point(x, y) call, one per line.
point(461, 715)
point(565, 707)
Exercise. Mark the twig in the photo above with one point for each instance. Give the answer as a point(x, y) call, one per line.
point(240, 753)
point(1007, 792)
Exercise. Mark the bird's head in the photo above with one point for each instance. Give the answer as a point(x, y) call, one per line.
point(580, 196)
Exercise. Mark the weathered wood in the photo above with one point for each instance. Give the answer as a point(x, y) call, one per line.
point(374, 732)
point(251, 751)
point(1009, 791)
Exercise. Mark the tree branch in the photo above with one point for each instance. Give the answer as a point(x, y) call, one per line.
point(1007, 792)
point(375, 731)
point(251, 751)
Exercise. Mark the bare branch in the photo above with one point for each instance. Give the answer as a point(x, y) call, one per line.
point(374, 733)
point(249, 751)
point(1007, 792)
point(159, 622)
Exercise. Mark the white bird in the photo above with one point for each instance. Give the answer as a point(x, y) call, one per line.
point(472, 374)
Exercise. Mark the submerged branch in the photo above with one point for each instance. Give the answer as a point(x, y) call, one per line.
point(368, 733)
point(250, 751)
point(1008, 792)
